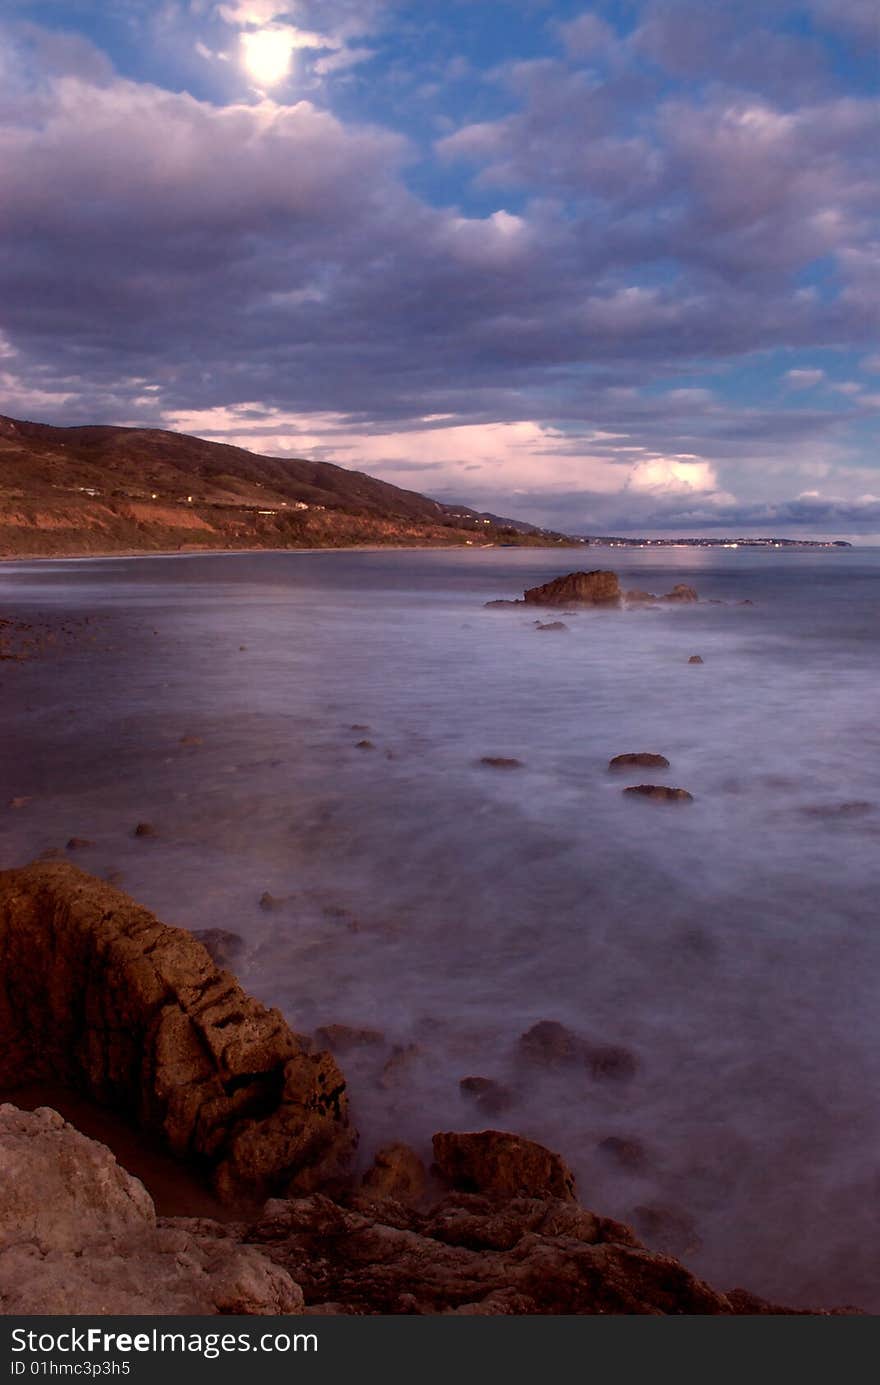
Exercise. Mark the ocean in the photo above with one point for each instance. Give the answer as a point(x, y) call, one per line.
point(729, 946)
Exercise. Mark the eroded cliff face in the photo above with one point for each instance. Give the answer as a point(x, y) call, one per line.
point(95, 992)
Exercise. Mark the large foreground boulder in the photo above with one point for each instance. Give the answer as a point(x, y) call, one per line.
point(79, 1235)
point(96, 993)
point(577, 589)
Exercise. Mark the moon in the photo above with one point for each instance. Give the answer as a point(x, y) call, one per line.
point(267, 55)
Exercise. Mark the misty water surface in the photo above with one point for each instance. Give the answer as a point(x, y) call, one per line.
point(731, 945)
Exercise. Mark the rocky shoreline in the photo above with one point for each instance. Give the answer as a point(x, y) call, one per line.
point(135, 1017)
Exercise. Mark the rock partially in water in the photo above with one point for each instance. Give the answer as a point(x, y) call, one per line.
point(500, 762)
point(220, 943)
point(681, 592)
point(502, 1165)
point(610, 1062)
point(669, 1229)
point(488, 1096)
point(596, 588)
point(627, 1153)
point(79, 843)
point(660, 793)
point(551, 625)
point(695, 659)
point(145, 829)
point(550, 1044)
point(342, 1038)
point(101, 996)
point(643, 759)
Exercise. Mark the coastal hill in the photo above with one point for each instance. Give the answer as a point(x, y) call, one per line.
point(100, 489)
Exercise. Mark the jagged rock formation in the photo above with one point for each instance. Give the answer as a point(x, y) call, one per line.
point(79, 1235)
point(577, 589)
point(97, 993)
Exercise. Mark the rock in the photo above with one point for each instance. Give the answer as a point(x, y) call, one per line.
point(270, 902)
point(342, 1038)
point(549, 1043)
point(364, 745)
point(577, 589)
point(644, 759)
point(503, 603)
point(610, 1063)
point(79, 843)
point(222, 945)
point(21, 801)
point(55, 1181)
point(670, 1230)
point(551, 625)
point(145, 829)
point(501, 1164)
point(695, 659)
point(638, 596)
point(101, 996)
point(681, 592)
point(396, 1172)
point(79, 1235)
point(628, 1154)
point(500, 762)
point(469, 1253)
point(661, 793)
point(488, 1095)
point(190, 740)
point(400, 1058)
point(359, 726)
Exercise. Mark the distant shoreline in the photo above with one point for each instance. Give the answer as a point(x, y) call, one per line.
point(807, 546)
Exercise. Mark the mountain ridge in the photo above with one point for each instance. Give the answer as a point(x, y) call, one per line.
point(105, 488)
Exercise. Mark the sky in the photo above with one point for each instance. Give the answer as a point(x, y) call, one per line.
point(612, 268)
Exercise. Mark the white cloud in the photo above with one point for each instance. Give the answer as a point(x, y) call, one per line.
point(804, 379)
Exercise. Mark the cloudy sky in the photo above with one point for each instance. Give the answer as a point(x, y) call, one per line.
point(612, 269)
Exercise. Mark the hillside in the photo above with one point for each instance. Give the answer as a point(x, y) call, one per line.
point(109, 490)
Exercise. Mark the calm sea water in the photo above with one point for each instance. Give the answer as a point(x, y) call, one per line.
point(731, 945)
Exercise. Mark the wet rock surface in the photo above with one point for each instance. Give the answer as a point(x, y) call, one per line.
point(596, 588)
point(660, 793)
point(134, 1015)
point(638, 759)
point(97, 993)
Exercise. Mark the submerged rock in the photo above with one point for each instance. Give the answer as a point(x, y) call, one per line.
point(644, 759)
point(661, 793)
point(342, 1038)
point(551, 625)
point(550, 1043)
point(596, 588)
point(488, 1095)
point(610, 1063)
point(101, 996)
point(627, 1153)
point(221, 944)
